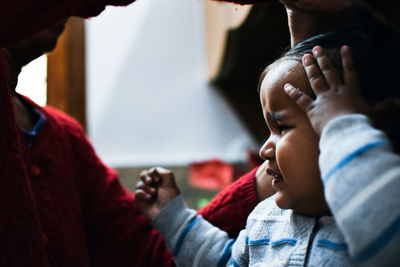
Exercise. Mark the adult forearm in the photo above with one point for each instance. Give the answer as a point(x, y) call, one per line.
point(22, 19)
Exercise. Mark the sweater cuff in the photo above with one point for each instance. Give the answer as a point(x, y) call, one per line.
point(172, 220)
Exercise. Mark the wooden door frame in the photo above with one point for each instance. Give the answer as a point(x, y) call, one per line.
point(66, 79)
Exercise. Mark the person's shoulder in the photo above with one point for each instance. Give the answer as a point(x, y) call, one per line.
point(68, 130)
point(65, 126)
point(56, 119)
point(60, 118)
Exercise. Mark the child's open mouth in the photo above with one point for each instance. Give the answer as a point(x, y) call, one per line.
point(277, 177)
point(274, 174)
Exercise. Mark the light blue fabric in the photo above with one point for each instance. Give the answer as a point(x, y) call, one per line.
point(274, 236)
point(363, 195)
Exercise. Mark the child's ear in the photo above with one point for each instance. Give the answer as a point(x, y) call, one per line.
point(387, 118)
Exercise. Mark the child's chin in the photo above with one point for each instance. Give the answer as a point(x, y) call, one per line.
point(282, 202)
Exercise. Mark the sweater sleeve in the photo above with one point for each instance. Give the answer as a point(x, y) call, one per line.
point(236, 201)
point(361, 175)
point(192, 240)
point(117, 232)
point(23, 18)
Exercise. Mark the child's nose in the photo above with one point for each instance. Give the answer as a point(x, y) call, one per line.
point(267, 151)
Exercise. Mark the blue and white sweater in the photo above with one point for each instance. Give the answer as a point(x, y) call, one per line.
point(361, 176)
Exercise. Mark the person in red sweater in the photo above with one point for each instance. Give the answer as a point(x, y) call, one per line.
point(75, 211)
point(59, 204)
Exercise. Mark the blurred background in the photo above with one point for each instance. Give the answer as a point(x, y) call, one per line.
point(149, 84)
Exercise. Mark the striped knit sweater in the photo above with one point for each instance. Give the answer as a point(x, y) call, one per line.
point(361, 175)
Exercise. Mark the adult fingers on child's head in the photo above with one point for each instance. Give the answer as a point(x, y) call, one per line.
point(302, 100)
point(329, 71)
point(315, 77)
point(349, 69)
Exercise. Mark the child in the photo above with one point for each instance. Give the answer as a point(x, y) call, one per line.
point(369, 187)
point(296, 227)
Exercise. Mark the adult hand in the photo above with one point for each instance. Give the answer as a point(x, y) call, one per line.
point(334, 97)
point(156, 188)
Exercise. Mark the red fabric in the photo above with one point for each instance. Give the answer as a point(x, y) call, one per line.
point(64, 207)
point(230, 208)
point(213, 174)
point(59, 204)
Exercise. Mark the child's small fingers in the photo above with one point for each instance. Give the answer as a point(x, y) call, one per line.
point(144, 174)
point(328, 70)
point(148, 189)
point(349, 69)
point(301, 99)
point(167, 176)
point(316, 79)
point(160, 171)
point(155, 175)
point(148, 178)
point(142, 195)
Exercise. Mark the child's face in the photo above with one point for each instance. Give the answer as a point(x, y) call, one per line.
point(292, 147)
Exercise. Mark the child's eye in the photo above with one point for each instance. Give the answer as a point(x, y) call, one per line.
point(282, 128)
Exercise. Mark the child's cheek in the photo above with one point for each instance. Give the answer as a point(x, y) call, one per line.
point(284, 157)
point(297, 157)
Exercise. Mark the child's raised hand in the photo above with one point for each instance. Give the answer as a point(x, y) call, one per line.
point(155, 189)
point(334, 97)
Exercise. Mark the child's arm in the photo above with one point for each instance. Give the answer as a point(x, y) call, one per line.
point(360, 171)
point(188, 236)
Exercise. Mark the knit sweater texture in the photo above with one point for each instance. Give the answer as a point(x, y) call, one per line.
point(59, 204)
point(361, 176)
point(63, 206)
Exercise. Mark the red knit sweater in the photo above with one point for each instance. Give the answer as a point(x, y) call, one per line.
point(59, 204)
